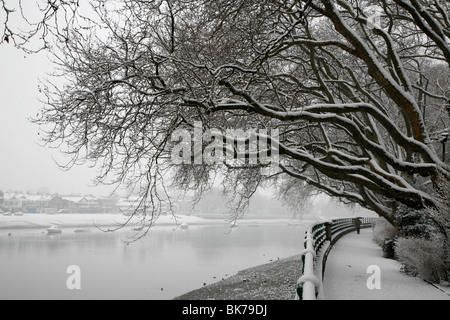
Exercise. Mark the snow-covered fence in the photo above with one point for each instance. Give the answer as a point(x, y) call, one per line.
point(319, 238)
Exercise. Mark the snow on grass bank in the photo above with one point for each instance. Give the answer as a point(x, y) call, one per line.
point(86, 220)
point(111, 220)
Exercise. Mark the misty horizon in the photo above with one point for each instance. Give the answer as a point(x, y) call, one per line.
point(25, 164)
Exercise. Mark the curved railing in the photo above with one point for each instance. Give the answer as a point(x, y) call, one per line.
point(319, 238)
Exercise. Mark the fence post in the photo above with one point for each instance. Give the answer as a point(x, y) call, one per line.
point(328, 231)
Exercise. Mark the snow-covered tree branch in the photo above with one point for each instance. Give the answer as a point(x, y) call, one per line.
point(357, 89)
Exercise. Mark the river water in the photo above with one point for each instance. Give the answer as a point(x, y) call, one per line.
point(164, 264)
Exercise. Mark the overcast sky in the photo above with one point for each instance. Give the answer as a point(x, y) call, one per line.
point(24, 164)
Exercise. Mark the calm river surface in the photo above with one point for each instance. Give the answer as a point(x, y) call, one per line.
point(163, 265)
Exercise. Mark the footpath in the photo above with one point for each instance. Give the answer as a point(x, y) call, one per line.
point(356, 263)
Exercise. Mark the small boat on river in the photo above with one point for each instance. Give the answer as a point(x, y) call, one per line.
point(54, 230)
point(184, 225)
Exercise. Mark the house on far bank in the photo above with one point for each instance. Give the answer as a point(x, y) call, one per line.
point(132, 205)
point(36, 203)
point(90, 204)
point(108, 204)
point(81, 204)
point(54, 205)
point(127, 206)
point(71, 204)
point(13, 202)
point(29, 203)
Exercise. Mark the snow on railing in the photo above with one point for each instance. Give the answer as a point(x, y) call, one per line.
point(318, 236)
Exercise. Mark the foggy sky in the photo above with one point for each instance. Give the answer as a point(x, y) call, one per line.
point(24, 164)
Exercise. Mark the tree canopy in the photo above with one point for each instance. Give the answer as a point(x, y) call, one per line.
point(357, 91)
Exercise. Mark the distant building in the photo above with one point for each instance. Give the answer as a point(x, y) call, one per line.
point(108, 205)
point(133, 205)
point(55, 204)
point(128, 205)
point(71, 204)
point(88, 205)
point(37, 203)
point(13, 202)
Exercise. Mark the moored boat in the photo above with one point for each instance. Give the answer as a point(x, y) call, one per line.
point(184, 225)
point(54, 230)
point(82, 230)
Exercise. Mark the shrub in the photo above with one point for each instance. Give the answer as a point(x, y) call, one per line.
point(424, 257)
point(384, 235)
point(383, 230)
point(414, 222)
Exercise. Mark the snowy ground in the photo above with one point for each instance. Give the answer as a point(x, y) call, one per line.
point(108, 220)
point(346, 274)
point(79, 220)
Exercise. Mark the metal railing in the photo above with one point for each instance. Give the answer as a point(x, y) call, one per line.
point(317, 236)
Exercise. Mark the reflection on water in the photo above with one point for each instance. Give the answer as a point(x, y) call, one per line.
point(164, 264)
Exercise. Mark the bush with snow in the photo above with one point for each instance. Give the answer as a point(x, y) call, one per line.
point(383, 230)
point(415, 222)
point(384, 235)
point(426, 258)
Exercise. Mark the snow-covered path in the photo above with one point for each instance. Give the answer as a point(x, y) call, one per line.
point(347, 273)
